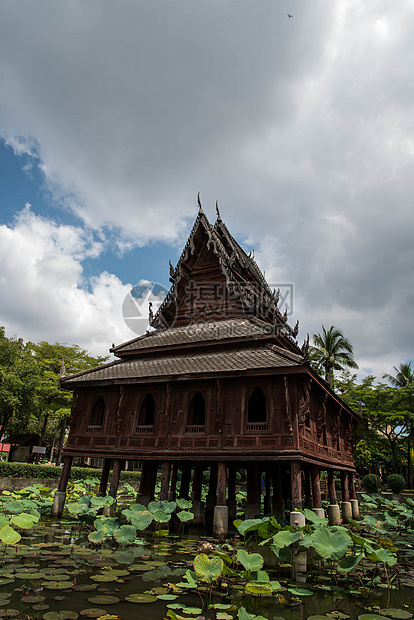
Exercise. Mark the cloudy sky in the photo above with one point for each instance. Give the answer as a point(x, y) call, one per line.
point(113, 115)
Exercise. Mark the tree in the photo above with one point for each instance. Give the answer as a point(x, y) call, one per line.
point(19, 380)
point(331, 351)
point(53, 402)
point(403, 381)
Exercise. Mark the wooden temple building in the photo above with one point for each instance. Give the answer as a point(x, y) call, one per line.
point(220, 384)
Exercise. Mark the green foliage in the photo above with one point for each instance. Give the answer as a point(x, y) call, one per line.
point(208, 568)
point(330, 545)
point(48, 472)
point(396, 482)
point(331, 351)
point(371, 483)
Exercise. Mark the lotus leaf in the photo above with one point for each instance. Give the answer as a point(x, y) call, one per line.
point(370, 617)
point(382, 555)
point(208, 569)
point(285, 538)
point(56, 585)
point(125, 535)
point(101, 502)
point(8, 535)
point(248, 525)
point(24, 520)
point(141, 598)
point(104, 577)
point(349, 563)
point(109, 523)
point(142, 520)
point(184, 504)
point(313, 518)
point(185, 516)
point(160, 516)
point(259, 587)
point(167, 597)
point(400, 614)
point(242, 614)
point(31, 575)
point(300, 592)
point(163, 505)
point(250, 561)
point(330, 544)
point(103, 599)
point(98, 536)
point(137, 507)
point(92, 612)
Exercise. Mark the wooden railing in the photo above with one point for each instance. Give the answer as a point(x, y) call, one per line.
point(257, 426)
point(195, 428)
point(94, 429)
point(144, 428)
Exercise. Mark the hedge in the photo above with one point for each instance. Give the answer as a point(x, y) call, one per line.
point(28, 470)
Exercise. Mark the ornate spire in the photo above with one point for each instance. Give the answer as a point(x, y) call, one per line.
point(305, 349)
point(200, 208)
point(218, 212)
point(296, 329)
point(172, 272)
point(150, 313)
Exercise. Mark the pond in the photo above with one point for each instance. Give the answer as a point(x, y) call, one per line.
point(54, 572)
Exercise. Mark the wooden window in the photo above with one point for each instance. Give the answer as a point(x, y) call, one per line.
point(196, 417)
point(97, 416)
point(146, 415)
point(256, 411)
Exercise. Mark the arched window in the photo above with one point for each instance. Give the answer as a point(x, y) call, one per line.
point(97, 416)
point(147, 412)
point(197, 411)
point(256, 411)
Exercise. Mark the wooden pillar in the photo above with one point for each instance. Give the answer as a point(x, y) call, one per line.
point(185, 480)
point(253, 490)
point(278, 499)
point(148, 481)
point(345, 486)
point(165, 480)
point(316, 487)
point(60, 495)
point(331, 486)
point(104, 478)
point(173, 483)
point(116, 472)
point(197, 482)
point(352, 490)
point(221, 484)
point(267, 499)
point(296, 485)
point(231, 499)
point(221, 511)
point(212, 488)
point(307, 485)
point(64, 476)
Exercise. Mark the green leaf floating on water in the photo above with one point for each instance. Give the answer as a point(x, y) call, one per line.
point(98, 536)
point(242, 614)
point(250, 561)
point(125, 535)
point(300, 592)
point(330, 545)
point(208, 569)
point(141, 598)
point(8, 535)
point(393, 612)
point(103, 599)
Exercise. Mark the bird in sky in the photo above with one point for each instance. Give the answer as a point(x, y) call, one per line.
point(289, 15)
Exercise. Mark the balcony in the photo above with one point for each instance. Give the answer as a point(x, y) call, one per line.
point(94, 429)
point(144, 428)
point(257, 427)
point(195, 428)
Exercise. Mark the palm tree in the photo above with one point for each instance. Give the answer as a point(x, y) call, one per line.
point(404, 378)
point(332, 351)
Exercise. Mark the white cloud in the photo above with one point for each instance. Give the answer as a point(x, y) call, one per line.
point(302, 128)
point(44, 293)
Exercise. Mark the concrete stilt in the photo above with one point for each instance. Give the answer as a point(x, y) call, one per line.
point(355, 508)
point(346, 511)
point(319, 512)
point(251, 511)
point(220, 521)
point(334, 514)
point(198, 511)
point(58, 504)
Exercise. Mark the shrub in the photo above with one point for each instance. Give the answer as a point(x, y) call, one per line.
point(372, 483)
point(28, 470)
point(396, 482)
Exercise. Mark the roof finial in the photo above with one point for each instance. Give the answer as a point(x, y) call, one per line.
point(150, 313)
point(200, 208)
point(218, 212)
